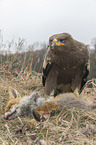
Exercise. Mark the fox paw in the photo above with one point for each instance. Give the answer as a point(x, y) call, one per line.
point(38, 117)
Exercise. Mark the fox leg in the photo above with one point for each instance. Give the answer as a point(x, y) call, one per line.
point(45, 109)
point(40, 112)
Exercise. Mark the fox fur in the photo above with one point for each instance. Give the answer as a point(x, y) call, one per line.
point(36, 106)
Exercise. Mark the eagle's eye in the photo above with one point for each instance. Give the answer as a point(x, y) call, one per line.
point(61, 40)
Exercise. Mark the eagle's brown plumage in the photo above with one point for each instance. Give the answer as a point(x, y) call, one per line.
point(66, 64)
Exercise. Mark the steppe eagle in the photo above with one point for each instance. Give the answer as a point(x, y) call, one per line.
point(66, 65)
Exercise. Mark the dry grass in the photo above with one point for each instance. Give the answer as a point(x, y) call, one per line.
point(70, 126)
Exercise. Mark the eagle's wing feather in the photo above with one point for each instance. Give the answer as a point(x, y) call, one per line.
point(49, 77)
point(51, 81)
point(47, 64)
point(45, 72)
point(85, 75)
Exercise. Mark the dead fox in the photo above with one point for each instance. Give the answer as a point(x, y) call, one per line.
point(37, 106)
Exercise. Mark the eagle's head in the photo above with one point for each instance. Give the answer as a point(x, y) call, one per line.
point(58, 40)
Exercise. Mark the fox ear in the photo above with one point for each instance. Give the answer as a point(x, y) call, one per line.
point(13, 93)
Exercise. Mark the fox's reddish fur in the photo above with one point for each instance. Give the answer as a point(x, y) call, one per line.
point(37, 106)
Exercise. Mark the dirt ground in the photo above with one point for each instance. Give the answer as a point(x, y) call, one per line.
point(70, 126)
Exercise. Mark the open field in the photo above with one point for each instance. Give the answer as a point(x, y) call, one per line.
point(70, 126)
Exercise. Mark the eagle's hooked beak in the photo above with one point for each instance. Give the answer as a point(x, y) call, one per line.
point(56, 43)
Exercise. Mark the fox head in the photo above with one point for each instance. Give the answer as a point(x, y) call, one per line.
point(14, 99)
point(20, 106)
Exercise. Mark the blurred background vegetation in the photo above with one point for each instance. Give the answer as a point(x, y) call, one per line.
point(17, 57)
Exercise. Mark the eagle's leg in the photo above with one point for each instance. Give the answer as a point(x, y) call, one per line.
point(76, 92)
point(55, 92)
